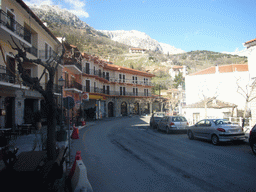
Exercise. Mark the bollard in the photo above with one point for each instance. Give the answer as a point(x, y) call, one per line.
point(72, 171)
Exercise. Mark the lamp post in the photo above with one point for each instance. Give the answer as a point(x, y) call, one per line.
point(62, 132)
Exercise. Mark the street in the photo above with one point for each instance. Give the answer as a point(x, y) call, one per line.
point(124, 154)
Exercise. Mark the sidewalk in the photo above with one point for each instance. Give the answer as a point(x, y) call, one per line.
point(26, 143)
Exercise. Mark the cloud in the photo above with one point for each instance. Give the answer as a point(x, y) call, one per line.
point(76, 7)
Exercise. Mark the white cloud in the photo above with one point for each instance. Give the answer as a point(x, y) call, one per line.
point(79, 13)
point(76, 7)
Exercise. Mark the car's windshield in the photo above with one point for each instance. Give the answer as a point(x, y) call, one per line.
point(221, 121)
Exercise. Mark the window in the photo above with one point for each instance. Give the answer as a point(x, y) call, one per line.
point(136, 80)
point(145, 92)
point(10, 20)
point(107, 90)
point(133, 79)
point(95, 87)
point(124, 78)
point(122, 90)
point(107, 76)
point(104, 88)
point(120, 78)
point(145, 81)
point(135, 91)
point(46, 50)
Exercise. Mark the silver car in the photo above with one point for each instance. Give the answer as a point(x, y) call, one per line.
point(171, 123)
point(216, 130)
point(155, 118)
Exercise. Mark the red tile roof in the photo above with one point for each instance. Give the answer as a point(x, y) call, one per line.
point(177, 67)
point(250, 41)
point(223, 69)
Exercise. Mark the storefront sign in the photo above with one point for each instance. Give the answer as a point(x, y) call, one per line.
point(85, 96)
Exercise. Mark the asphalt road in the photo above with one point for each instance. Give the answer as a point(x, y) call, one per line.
point(124, 154)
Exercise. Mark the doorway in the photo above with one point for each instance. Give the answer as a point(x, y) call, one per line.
point(124, 108)
point(110, 109)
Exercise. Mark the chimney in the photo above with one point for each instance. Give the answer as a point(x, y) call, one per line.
point(217, 69)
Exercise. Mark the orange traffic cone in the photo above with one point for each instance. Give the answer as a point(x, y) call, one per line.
point(72, 171)
point(75, 133)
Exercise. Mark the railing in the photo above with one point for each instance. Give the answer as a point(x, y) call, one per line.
point(72, 61)
point(13, 25)
point(73, 84)
point(32, 50)
point(5, 77)
point(56, 87)
point(44, 55)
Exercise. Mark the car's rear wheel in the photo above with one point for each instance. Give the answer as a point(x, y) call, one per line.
point(190, 135)
point(215, 140)
point(254, 148)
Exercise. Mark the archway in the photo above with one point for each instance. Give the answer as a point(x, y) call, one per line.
point(124, 108)
point(136, 109)
point(110, 109)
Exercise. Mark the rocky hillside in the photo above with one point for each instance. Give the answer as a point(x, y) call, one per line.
point(139, 39)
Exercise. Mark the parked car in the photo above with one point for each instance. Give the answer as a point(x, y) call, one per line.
point(216, 130)
point(155, 118)
point(252, 139)
point(172, 123)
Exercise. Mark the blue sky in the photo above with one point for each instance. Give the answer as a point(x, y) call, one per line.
point(214, 25)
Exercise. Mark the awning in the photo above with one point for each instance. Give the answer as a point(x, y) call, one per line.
point(97, 97)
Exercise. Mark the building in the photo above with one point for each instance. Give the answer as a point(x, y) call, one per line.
point(114, 90)
point(251, 47)
point(176, 69)
point(220, 82)
point(213, 109)
point(137, 50)
point(19, 23)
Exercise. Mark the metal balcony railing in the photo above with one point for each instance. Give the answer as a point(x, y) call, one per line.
point(56, 87)
point(14, 26)
point(72, 61)
point(32, 50)
point(73, 84)
point(44, 55)
point(6, 76)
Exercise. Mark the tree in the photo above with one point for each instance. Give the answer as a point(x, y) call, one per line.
point(247, 92)
point(178, 80)
point(51, 66)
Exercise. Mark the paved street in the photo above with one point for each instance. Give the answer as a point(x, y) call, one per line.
point(123, 154)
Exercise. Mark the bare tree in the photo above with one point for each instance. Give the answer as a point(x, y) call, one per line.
point(247, 92)
point(51, 66)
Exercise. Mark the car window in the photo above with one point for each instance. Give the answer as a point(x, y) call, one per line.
point(208, 123)
point(222, 121)
point(183, 119)
point(201, 123)
point(175, 119)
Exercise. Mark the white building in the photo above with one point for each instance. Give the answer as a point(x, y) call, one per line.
point(251, 46)
point(218, 81)
point(176, 69)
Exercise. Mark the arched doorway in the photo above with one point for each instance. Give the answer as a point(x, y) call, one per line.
point(124, 108)
point(136, 109)
point(110, 109)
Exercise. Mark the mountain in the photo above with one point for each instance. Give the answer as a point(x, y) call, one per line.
point(54, 15)
point(139, 39)
point(241, 53)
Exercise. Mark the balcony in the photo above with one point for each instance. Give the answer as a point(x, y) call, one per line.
point(45, 55)
point(56, 88)
point(9, 27)
point(73, 85)
point(6, 76)
point(32, 50)
point(73, 65)
point(91, 72)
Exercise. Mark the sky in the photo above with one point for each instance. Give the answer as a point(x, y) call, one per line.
point(213, 25)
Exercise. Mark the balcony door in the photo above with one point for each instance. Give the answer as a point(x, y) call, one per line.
point(10, 69)
point(87, 68)
point(10, 20)
point(87, 86)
